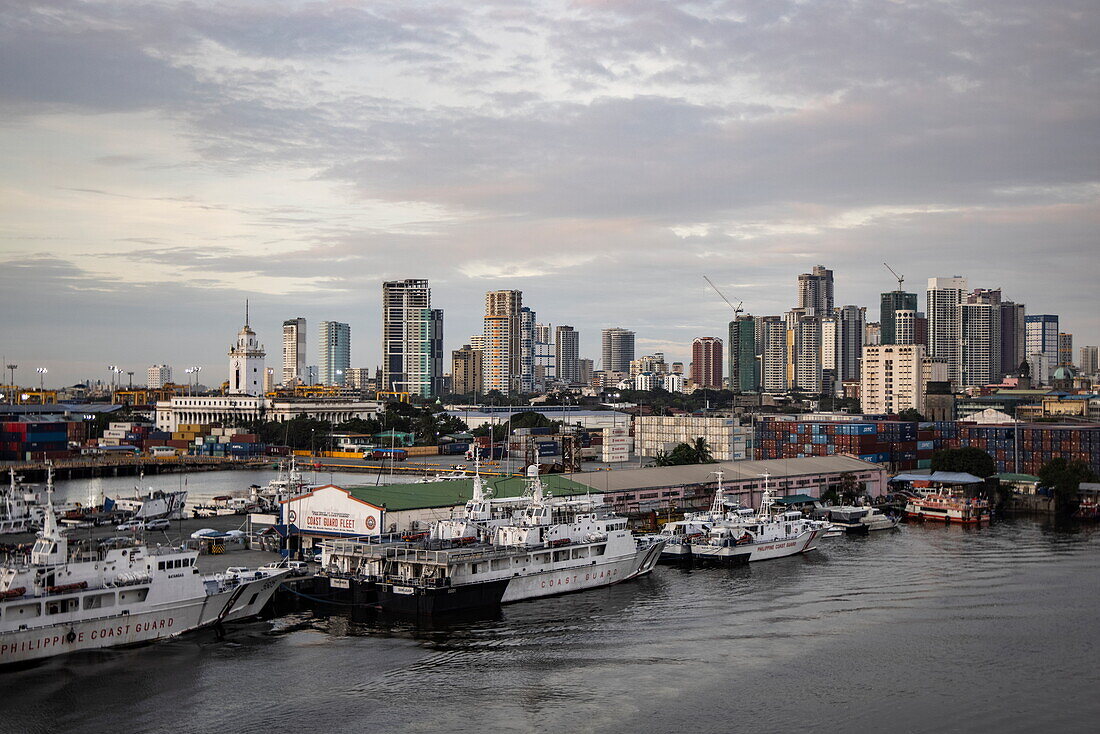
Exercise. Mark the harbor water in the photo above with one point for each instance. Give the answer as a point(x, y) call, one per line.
point(923, 629)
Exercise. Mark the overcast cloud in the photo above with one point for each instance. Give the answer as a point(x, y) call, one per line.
point(162, 161)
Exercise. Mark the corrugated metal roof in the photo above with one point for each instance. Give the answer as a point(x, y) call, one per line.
point(671, 476)
point(451, 492)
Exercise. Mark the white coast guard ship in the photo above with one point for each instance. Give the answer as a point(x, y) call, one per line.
point(65, 597)
point(545, 546)
point(761, 537)
point(680, 534)
point(21, 506)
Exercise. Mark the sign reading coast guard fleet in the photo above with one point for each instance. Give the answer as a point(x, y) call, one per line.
point(332, 510)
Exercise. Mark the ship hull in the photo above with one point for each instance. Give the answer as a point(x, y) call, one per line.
point(436, 601)
point(71, 634)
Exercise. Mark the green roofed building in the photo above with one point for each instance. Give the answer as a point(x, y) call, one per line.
point(456, 492)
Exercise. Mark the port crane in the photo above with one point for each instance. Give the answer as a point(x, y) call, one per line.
point(901, 278)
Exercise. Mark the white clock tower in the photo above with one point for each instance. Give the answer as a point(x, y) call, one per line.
point(246, 362)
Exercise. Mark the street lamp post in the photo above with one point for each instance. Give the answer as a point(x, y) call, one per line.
point(11, 368)
point(41, 379)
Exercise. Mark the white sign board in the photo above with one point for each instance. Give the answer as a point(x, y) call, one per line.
point(332, 510)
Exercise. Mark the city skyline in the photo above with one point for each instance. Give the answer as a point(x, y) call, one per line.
point(163, 165)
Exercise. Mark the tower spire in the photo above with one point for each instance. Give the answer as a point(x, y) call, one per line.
point(246, 312)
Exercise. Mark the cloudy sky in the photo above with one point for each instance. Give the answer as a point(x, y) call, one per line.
point(162, 161)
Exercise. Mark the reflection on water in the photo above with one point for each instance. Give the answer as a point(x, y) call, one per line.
point(926, 629)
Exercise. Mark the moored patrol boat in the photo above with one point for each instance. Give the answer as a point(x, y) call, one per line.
point(65, 597)
point(21, 506)
point(545, 546)
point(678, 535)
point(761, 537)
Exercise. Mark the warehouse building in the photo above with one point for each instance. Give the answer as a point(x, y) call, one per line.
point(692, 486)
point(727, 438)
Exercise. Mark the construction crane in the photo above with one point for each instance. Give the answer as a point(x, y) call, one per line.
point(901, 278)
point(737, 310)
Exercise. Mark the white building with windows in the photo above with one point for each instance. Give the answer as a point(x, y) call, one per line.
point(157, 376)
point(232, 410)
point(727, 438)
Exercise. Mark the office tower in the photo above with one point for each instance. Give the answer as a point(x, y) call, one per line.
point(585, 370)
point(294, 351)
point(1089, 366)
point(1042, 338)
point(157, 376)
point(891, 303)
point(706, 362)
point(246, 362)
point(501, 352)
point(773, 355)
point(852, 322)
point(944, 298)
point(1065, 349)
point(743, 368)
point(566, 357)
point(334, 352)
point(672, 382)
point(872, 333)
point(618, 349)
point(269, 379)
point(412, 338)
point(815, 291)
point(466, 370)
point(980, 342)
point(543, 333)
point(1013, 337)
point(892, 378)
point(1040, 367)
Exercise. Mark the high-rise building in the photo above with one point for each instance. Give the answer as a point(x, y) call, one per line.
point(830, 348)
point(706, 362)
point(412, 338)
point(815, 291)
point(359, 378)
point(527, 350)
point(743, 367)
point(773, 355)
point(891, 303)
point(294, 350)
point(246, 362)
point(1065, 349)
point(269, 379)
point(1042, 338)
point(466, 370)
point(653, 363)
point(872, 333)
point(334, 352)
point(618, 349)
point(852, 321)
point(501, 354)
point(1089, 365)
point(944, 298)
point(1013, 336)
point(892, 378)
point(567, 351)
point(585, 370)
point(804, 367)
point(157, 376)
point(980, 341)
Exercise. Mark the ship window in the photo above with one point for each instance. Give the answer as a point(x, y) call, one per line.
point(254, 598)
point(98, 601)
point(562, 555)
point(580, 553)
point(599, 550)
point(62, 606)
point(132, 595)
point(25, 611)
point(542, 558)
point(160, 565)
point(473, 567)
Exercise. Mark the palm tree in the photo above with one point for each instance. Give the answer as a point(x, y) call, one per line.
point(702, 451)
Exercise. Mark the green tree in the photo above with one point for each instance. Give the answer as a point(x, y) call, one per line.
point(910, 414)
point(968, 459)
point(850, 490)
point(702, 451)
point(1065, 477)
